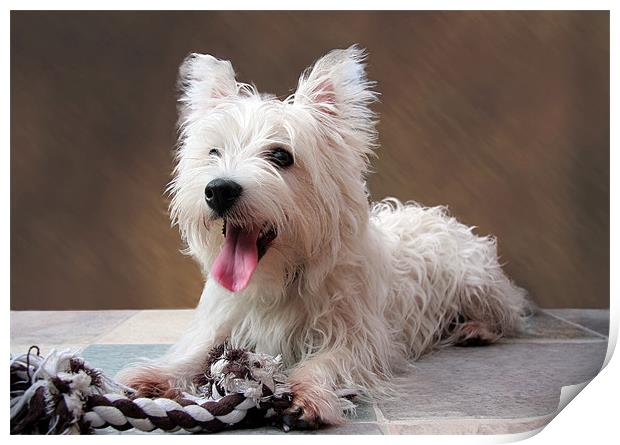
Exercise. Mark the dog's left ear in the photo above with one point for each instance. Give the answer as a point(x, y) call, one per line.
point(204, 82)
point(336, 85)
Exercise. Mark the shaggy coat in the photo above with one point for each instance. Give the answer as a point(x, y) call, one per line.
point(347, 291)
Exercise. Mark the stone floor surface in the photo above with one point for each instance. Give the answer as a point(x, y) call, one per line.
point(510, 387)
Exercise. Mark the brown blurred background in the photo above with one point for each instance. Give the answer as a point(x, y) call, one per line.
point(502, 116)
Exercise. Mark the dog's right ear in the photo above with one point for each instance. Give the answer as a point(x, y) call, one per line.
point(204, 81)
point(337, 85)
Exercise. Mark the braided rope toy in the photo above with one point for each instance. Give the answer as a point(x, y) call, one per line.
point(62, 394)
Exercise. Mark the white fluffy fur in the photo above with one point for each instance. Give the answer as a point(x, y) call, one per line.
point(349, 291)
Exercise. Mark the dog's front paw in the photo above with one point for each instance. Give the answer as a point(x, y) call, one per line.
point(298, 417)
point(312, 406)
point(148, 382)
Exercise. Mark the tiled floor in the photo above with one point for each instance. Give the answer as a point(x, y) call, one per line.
point(509, 387)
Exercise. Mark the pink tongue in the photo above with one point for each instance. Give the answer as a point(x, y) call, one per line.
point(238, 259)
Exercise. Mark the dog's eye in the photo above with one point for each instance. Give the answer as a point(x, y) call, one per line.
point(280, 157)
point(214, 152)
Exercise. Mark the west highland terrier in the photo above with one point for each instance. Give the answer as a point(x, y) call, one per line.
point(270, 197)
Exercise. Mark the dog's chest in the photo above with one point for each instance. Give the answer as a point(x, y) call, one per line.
point(272, 330)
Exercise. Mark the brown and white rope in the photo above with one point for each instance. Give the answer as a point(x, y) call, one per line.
point(144, 414)
point(61, 394)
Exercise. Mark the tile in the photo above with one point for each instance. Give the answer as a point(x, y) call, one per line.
point(509, 387)
point(519, 380)
point(370, 428)
point(594, 319)
point(347, 429)
point(512, 426)
point(468, 426)
point(45, 348)
point(112, 358)
point(435, 426)
point(545, 326)
point(149, 327)
point(63, 327)
point(364, 412)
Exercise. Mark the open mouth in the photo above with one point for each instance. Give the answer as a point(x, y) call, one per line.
point(243, 248)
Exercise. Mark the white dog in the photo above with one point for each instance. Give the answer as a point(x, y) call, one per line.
point(270, 196)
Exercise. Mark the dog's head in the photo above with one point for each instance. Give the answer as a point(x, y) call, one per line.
point(272, 188)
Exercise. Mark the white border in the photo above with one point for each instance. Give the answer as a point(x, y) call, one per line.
point(592, 416)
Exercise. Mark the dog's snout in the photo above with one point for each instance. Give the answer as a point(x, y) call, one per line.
point(221, 194)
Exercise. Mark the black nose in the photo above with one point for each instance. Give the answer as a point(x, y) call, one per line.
point(221, 194)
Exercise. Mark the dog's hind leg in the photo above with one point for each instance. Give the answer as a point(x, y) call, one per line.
point(489, 312)
point(475, 333)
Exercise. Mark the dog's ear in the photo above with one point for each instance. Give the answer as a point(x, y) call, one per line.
point(336, 85)
point(204, 81)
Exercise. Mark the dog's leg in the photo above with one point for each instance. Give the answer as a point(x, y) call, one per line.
point(476, 333)
point(173, 373)
point(486, 317)
point(315, 402)
point(149, 380)
point(177, 369)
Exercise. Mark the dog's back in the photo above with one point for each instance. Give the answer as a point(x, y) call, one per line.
point(447, 286)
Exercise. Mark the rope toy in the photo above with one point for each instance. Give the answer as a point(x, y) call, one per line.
point(62, 394)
